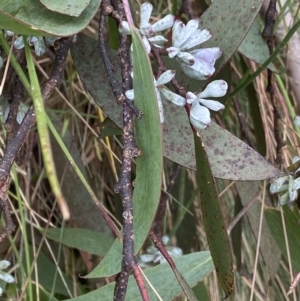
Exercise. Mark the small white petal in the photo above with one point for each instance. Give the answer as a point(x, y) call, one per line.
point(199, 116)
point(146, 257)
point(146, 44)
point(278, 184)
point(165, 239)
point(160, 40)
point(172, 52)
point(19, 43)
point(163, 24)
point(190, 97)
point(295, 159)
point(216, 88)
point(173, 97)
point(176, 31)
point(284, 199)
point(175, 251)
point(165, 77)
point(297, 121)
point(146, 10)
point(292, 191)
point(124, 28)
point(296, 184)
point(7, 277)
point(130, 94)
point(186, 58)
point(160, 107)
point(151, 250)
point(199, 37)
point(203, 68)
point(9, 33)
point(187, 32)
point(4, 264)
point(212, 104)
point(39, 46)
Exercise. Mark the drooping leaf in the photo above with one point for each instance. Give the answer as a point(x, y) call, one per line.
point(291, 218)
point(230, 158)
point(213, 222)
point(254, 46)
point(31, 17)
point(269, 250)
point(148, 167)
point(228, 21)
point(82, 239)
point(67, 7)
point(194, 267)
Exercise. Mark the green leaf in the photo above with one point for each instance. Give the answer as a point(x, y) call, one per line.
point(67, 7)
point(254, 46)
point(291, 218)
point(230, 158)
point(228, 21)
point(41, 121)
point(268, 247)
point(214, 225)
point(30, 17)
point(194, 267)
point(148, 167)
point(82, 239)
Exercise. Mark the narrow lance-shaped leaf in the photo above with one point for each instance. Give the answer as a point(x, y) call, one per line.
point(214, 226)
point(148, 167)
point(41, 120)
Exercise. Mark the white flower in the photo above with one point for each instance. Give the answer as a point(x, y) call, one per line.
point(198, 64)
point(288, 186)
point(164, 78)
point(147, 30)
point(5, 276)
point(153, 256)
point(199, 114)
point(204, 63)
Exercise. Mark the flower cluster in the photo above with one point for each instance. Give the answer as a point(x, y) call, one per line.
point(288, 186)
point(153, 256)
point(197, 64)
point(4, 264)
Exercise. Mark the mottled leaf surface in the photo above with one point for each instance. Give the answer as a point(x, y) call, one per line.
point(291, 218)
point(31, 17)
point(146, 193)
point(269, 250)
point(229, 22)
point(254, 46)
point(67, 7)
point(230, 158)
point(194, 267)
point(213, 222)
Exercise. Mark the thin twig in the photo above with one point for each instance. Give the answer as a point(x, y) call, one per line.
point(267, 33)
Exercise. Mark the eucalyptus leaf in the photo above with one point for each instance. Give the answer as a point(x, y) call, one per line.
point(254, 46)
point(213, 221)
point(67, 7)
point(291, 219)
point(82, 239)
point(148, 167)
point(31, 17)
point(194, 267)
point(228, 21)
point(229, 157)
